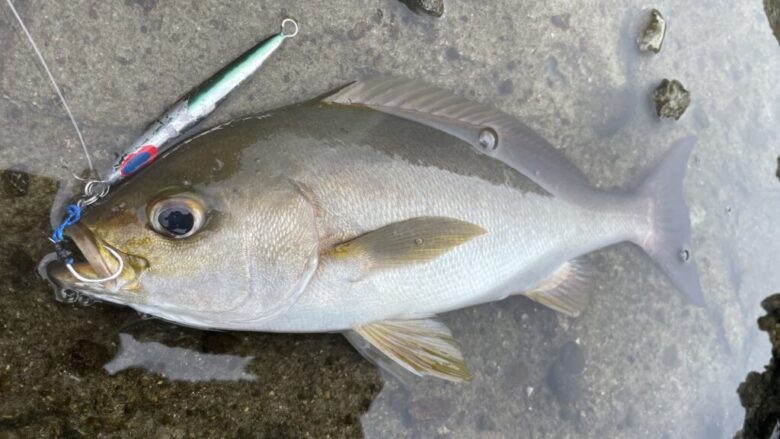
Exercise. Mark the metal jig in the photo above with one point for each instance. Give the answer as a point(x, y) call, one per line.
point(164, 132)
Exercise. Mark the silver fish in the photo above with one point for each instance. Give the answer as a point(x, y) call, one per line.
point(370, 212)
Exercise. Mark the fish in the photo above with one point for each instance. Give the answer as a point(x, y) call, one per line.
point(371, 212)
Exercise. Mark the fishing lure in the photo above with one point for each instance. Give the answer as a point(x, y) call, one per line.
point(193, 108)
point(159, 136)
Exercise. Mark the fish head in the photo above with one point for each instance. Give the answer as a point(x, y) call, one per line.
point(218, 253)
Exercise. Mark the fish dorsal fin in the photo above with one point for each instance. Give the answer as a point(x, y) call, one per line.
point(564, 290)
point(424, 347)
point(487, 130)
point(406, 242)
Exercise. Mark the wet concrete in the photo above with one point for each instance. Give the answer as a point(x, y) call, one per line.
point(639, 362)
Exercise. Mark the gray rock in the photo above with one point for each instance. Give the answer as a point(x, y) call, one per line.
point(671, 99)
point(652, 37)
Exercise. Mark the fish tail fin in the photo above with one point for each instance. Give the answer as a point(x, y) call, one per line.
point(668, 240)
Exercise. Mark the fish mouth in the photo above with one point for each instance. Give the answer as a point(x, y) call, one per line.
point(100, 263)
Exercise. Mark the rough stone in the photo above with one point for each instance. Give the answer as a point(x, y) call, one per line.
point(671, 99)
point(652, 38)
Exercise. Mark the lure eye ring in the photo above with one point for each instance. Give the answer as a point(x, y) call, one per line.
point(177, 216)
point(289, 22)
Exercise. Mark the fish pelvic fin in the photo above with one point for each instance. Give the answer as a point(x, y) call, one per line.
point(564, 290)
point(423, 347)
point(406, 242)
point(668, 241)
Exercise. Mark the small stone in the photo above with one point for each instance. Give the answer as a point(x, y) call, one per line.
point(652, 37)
point(15, 182)
point(671, 99)
point(430, 7)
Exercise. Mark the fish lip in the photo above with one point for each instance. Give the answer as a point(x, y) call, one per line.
point(101, 263)
point(92, 248)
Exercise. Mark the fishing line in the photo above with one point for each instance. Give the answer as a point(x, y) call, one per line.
point(54, 85)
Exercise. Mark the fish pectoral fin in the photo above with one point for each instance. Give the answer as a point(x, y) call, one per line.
point(424, 347)
point(564, 290)
point(487, 130)
point(406, 242)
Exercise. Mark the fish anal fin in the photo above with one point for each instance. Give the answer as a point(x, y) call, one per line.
point(424, 347)
point(564, 290)
point(407, 242)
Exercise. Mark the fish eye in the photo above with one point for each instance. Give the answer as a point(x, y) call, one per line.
point(177, 216)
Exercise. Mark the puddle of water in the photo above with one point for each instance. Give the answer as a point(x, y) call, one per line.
point(178, 364)
point(637, 363)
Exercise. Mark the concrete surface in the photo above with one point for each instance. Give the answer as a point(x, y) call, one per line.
point(637, 363)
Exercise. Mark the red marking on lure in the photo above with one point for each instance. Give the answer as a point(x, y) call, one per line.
point(138, 160)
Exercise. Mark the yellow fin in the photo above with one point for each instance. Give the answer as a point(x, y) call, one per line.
point(406, 242)
point(424, 347)
point(563, 290)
